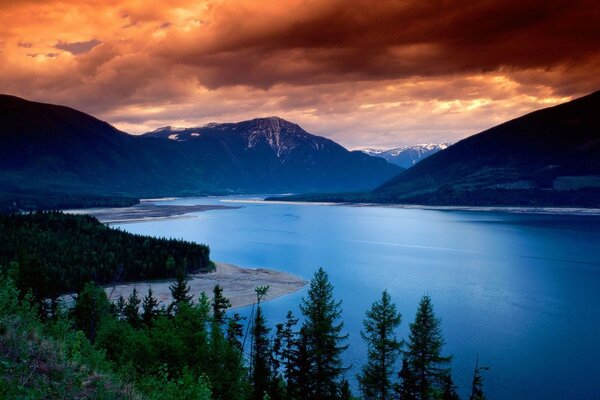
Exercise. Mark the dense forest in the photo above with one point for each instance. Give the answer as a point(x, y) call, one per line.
point(18, 201)
point(194, 348)
point(52, 253)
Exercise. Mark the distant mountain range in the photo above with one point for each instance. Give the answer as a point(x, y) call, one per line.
point(407, 156)
point(549, 157)
point(54, 149)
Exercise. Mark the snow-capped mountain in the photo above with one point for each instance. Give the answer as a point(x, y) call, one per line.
point(272, 154)
point(407, 156)
point(281, 136)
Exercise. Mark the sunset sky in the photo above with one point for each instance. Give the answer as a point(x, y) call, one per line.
point(364, 73)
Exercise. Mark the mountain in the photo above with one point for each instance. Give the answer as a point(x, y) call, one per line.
point(272, 154)
point(47, 148)
point(550, 157)
point(407, 156)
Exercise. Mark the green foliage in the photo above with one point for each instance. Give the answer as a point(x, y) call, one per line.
point(185, 387)
point(261, 373)
point(220, 304)
point(180, 292)
point(426, 367)
point(150, 308)
point(91, 306)
point(477, 385)
point(131, 312)
point(383, 349)
point(58, 253)
point(49, 361)
point(320, 347)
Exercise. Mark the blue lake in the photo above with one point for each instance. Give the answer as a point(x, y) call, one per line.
point(521, 290)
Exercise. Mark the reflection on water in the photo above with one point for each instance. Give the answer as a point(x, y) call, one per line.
point(521, 290)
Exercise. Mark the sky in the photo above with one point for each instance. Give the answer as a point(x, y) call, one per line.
point(379, 73)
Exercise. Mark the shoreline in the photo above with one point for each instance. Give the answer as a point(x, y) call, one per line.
point(575, 211)
point(145, 211)
point(238, 285)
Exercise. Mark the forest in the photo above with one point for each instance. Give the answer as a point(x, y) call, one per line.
point(196, 348)
point(58, 253)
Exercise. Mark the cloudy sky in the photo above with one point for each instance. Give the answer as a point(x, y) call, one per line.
point(377, 73)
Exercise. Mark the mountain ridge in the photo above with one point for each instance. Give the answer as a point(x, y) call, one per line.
point(550, 157)
point(407, 156)
point(47, 148)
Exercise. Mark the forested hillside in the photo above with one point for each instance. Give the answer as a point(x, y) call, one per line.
point(195, 349)
point(53, 253)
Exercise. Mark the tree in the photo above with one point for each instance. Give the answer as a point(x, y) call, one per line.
point(407, 389)
point(322, 329)
point(235, 331)
point(180, 292)
point(91, 306)
point(383, 349)
point(260, 374)
point(425, 364)
point(120, 307)
point(220, 304)
point(477, 386)
point(131, 312)
point(149, 308)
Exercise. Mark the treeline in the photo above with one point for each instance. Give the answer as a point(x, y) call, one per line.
point(52, 253)
point(11, 202)
point(194, 349)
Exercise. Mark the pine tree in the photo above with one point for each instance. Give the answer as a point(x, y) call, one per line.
point(423, 353)
point(120, 307)
point(380, 325)
point(407, 389)
point(345, 392)
point(149, 308)
point(477, 386)
point(448, 388)
point(131, 312)
point(322, 340)
point(220, 304)
point(235, 331)
point(261, 375)
point(180, 292)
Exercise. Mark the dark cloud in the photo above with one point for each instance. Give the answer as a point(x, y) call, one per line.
point(77, 48)
point(364, 72)
point(320, 42)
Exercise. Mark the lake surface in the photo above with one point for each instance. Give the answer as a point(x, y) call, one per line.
point(521, 290)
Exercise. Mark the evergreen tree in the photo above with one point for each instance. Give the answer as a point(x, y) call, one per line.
point(477, 386)
point(284, 347)
point(120, 307)
point(235, 331)
point(448, 388)
point(322, 329)
point(91, 306)
point(345, 392)
point(220, 304)
point(180, 292)
point(407, 389)
point(149, 308)
point(426, 364)
point(261, 375)
point(132, 309)
point(383, 349)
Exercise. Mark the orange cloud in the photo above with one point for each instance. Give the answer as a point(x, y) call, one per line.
point(377, 73)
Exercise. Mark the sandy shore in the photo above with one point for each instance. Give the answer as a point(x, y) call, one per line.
point(506, 209)
point(145, 211)
point(238, 285)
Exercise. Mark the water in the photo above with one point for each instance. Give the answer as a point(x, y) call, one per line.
point(523, 291)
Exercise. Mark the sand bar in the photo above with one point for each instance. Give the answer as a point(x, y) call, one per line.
point(238, 285)
point(145, 211)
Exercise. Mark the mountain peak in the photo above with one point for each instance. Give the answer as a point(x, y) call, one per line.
point(407, 156)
